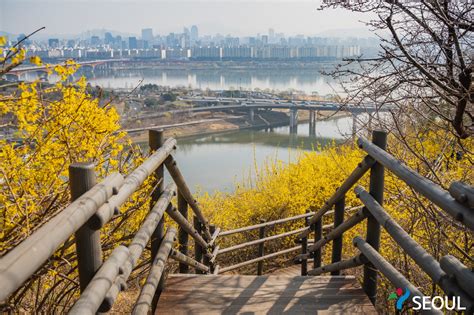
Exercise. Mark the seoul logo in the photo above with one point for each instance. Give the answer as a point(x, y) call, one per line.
point(400, 297)
point(426, 302)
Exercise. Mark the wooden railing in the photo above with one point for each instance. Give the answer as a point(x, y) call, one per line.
point(454, 278)
point(263, 239)
point(96, 204)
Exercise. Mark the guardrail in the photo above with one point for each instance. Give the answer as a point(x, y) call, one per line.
point(95, 204)
point(260, 242)
point(92, 207)
point(454, 278)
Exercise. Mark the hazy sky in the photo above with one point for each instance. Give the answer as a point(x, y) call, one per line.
point(224, 16)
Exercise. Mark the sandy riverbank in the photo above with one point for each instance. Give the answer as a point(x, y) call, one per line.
point(208, 123)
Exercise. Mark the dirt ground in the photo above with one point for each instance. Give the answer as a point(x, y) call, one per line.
point(211, 122)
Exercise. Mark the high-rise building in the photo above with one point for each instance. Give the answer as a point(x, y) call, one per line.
point(147, 34)
point(53, 43)
point(271, 35)
point(194, 35)
point(132, 43)
point(22, 37)
point(95, 40)
point(108, 38)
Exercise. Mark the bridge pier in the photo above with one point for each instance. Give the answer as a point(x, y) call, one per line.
point(354, 125)
point(313, 116)
point(252, 115)
point(293, 120)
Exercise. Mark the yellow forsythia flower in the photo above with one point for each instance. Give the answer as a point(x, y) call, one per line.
point(3, 40)
point(36, 60)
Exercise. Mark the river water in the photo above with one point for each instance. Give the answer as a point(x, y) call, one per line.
point(308, 80)
point(221, 160)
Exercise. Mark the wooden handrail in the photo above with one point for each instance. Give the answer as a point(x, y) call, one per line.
point(464, 276)
point(426, 262)
point(388, 270)
point(188, 261)
point(90, 300)
point(463, 193)
point(355, 261)
point(350, 181)
point(279, 221)
point(184, 190)
point(423, 185)
point(358, 217)
point(23, 260)
point(145, 298)
point(138, 244)
point(131, 183)
point(251, 261)
point(183, 223)
point(259, 241)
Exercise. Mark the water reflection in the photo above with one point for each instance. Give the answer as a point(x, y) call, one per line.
point(218, 161)
point(307, 80)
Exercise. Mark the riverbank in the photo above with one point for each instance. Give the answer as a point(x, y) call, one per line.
point(211, 122)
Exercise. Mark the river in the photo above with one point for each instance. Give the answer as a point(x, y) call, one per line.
point(221, 160)
point(308, 80)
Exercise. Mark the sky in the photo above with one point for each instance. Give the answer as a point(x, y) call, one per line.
point(236, 17)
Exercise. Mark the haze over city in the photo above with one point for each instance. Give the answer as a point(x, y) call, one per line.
point(239, 18)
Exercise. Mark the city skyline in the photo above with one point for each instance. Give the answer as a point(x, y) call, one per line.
point(73, 17)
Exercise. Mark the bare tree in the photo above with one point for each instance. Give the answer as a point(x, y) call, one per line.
point(424, 67)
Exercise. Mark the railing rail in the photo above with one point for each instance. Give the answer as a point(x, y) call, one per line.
point(22, 261)
point(92, 207)
point(264, 239)
point(449, 274)
point(423, 185)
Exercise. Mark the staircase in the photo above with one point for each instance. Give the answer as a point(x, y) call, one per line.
point(211, 290)
point(273, 294)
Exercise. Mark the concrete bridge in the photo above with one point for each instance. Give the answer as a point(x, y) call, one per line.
point(14, 74)
point(255, 105)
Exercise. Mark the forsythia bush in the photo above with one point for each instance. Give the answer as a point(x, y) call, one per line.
point(54, 126)
point(283, 190)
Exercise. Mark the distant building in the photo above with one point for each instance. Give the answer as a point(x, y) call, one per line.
point(53, 43)
point(232, 53)
point(108, 38)
point(71, 43)
point(147, 34)
point(194, 34)
point(271, 35)
point(132, 43)
point(21, 37)
point(206, 53)
point(95, 41)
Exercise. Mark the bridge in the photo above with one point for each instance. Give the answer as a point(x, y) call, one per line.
point(15, 73)
point(203, 283)
point(253, 106)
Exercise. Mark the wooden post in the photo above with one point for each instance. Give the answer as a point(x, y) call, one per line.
point(206, 259)
point(337, 242)
point(261, 249)
point(89, 251)
point(304, 250)
point(318, 230)
point(183, 237)
point(155, 141)
point(197, 248)
point(379, 138)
